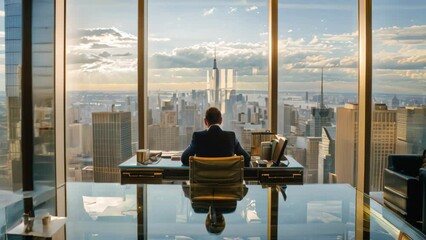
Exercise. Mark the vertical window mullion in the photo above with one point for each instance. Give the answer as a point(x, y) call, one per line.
point(364, 95)
point(273, 66)
point(27, 123)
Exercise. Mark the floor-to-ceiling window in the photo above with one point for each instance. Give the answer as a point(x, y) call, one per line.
point(42, 40)
point(399, 83)
point(10, 158)
point(101, 88)
point(202, 54)
point(317, 98)
point(29, 23)
point(10, 114)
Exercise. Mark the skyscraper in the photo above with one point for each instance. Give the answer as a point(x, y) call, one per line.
point(163, 138)
point(326, 154)
point(312, 151)
point(395, 102)
point(383, 141)
point(13, 53)
point(321, 116)
point(220, 83)
point(111, 144)
point(346, 143)
point(287, 119)
point(411, 130)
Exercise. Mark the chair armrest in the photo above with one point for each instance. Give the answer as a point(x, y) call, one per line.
point(399, 182)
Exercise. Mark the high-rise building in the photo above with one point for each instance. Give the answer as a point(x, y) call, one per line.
point(220, 83)
point(79, 139)
point(111, 144)
point(312, 151)
point(326, 154)
point(12, 164)
point(346, 143)
point(163, 138)
point(168, 119)
point(383, 141)
point(289, 122)
point(321, 116)
point(395, 102)
point(411, 130)
point(287, 119)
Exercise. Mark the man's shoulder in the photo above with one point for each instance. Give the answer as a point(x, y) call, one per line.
point(198, 133)
point(229, 133)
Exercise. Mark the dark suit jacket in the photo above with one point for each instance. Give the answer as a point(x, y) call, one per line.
point(214, 142)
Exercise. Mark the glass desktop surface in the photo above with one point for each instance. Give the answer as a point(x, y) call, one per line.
point(109, 211)
point(168, 163)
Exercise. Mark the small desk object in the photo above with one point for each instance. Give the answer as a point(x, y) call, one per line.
point(167, 171)
point(39, 230)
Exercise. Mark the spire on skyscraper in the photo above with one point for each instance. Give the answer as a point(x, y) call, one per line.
point(322, 90)
point(214, 60)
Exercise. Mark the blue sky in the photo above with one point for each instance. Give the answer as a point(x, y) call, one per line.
point(183, 35)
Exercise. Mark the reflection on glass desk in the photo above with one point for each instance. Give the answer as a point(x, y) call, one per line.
point(111, 211)
point(166, 170)
point(39, 230)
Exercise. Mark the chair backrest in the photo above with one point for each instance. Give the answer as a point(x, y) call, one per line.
point(408, 164)
point(216, 170)
point(219, 178)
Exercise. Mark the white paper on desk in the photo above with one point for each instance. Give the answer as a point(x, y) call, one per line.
point(171, 154)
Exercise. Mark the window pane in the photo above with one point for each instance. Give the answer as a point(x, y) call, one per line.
point(318, 86)
point(43, 100)
point(399, 84)
point(101, 83)
point(201, 54)
point(10, 113)
point(10, 157)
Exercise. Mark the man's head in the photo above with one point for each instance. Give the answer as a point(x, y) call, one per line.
point(213, 116)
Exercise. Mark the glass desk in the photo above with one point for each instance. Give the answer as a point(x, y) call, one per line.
point(169, 171)
point(153, 211)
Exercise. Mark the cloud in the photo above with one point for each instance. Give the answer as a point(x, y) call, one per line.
point(399, 55)
point(232, 9)
point(127, 54)
point(241, 56)
point(104, 37)
point(290, 30)
point(415, 34)
point(101, 50)
point(252, 8)
point(208, 12)
point(81, 58)
point(154, 39)
point(100, 46)
point(314, 40)
point(105, 54)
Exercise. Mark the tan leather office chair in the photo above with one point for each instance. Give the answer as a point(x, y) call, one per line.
point(216, 184)
point(218, 178)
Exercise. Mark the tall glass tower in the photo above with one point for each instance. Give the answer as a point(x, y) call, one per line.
point(11, 179)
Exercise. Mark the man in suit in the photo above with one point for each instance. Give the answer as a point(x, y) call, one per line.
point(214, 142)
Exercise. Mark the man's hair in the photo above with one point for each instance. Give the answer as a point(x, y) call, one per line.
point(213, 115)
